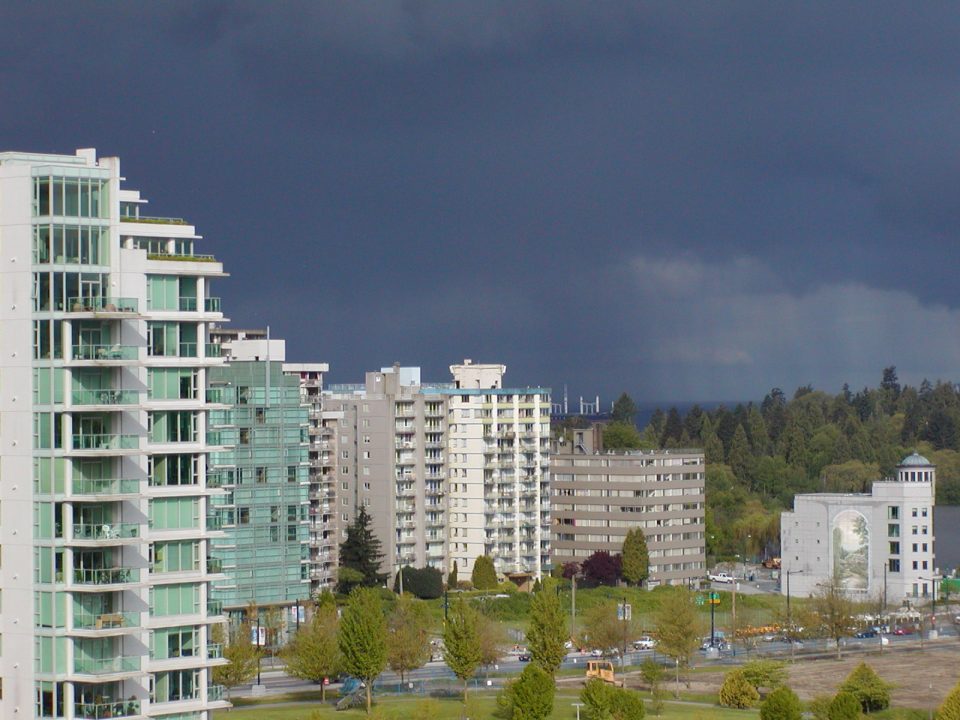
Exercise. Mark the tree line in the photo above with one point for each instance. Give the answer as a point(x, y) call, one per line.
point(760, 455)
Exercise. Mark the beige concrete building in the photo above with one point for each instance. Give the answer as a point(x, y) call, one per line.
point(599, 496)
point(448, 471)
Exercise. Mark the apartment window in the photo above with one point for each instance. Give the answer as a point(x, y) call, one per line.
point(261, 475)
point(913, 512)
point(345, 454)
point(366, 439)
point(894, 548)
point(914, 547)
point(344, 486)
point(291, 473)
point(893, 565)
point(243, 516)
point(923, 565)
point(916, 565)
point(924, 531)
point(291, 533)
point(366, 455)
point(893, 512)
point(923, 512)
point(260, 414)
point(366, 486)
point(913, 530)
point(244, 436)
point(243, 395)
point(924, 546)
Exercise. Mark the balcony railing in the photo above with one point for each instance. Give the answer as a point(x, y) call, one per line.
point(187, 304)
point(102, 304)
point(214, 651)
point(105, 397)
point(214, 607)
point(214, 565)
point(213, 350)
point(216, 692)
point(221, 395)
point(106, 531)
point(214, 522)
point(106, 576)
point(211, 304)
point(187, 349)
point(105, 621)
point(105, 441)
point(97, 486)
point(96, 711)
point(104, 666)
point(105, 352)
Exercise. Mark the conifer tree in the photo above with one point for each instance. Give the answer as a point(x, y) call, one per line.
point(484, 575)
point(361, 552)
point(635, 558)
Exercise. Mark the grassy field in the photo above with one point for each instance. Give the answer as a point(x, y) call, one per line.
point(481, 705)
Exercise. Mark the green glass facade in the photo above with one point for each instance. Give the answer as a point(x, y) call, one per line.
point(264, 556)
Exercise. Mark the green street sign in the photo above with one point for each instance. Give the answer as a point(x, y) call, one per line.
point(699, 599)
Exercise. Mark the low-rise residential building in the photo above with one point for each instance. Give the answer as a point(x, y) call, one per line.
point(599, 496)
point(878, 546)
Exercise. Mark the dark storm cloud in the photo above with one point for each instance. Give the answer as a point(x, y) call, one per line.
point(684, 200)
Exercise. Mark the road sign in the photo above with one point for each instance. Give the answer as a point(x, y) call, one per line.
point(714, 598)
point(700, 600)
point(624, 611)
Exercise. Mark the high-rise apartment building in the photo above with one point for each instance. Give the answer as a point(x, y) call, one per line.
point(448, 471)
point(599, 496)
point(264, 555)
point(105, 608)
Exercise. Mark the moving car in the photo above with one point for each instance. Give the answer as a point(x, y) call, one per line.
point(644, 643)
point(721, 577)
point(868, 633)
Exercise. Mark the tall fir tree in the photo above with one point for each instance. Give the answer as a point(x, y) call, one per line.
point(484, 576)
point(624, 410)
point(635, 558)
point(361, 552)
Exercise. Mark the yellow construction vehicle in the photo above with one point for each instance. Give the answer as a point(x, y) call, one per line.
point(602, 670)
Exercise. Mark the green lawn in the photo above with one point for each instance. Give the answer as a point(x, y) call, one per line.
point(482, 706)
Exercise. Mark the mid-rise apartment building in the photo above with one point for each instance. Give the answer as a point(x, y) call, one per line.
point(877, 545)
point(599, 496)
point(106, 607)
point(264, 513)
point(448, 471)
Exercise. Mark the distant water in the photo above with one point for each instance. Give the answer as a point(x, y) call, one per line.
point(645, 410)
point(946, 520)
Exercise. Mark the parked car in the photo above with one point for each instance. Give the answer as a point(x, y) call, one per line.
point(904, 630)
point(644, 643)
point(524, 657)
point(868, 633)
point(596, 653)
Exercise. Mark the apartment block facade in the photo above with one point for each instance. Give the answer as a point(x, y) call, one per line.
point(448, 471)
point(106, 607)
point(599, 496)
point(264, 556)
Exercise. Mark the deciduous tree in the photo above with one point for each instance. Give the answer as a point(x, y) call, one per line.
point(362, 637)
point(461, 642)
point(408, 636)
point(242, 655)
point(678, 628)
point(601, 568)
point(314, 653)
point(835, 611)
point(547, 632)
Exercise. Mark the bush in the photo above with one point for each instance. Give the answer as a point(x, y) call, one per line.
point(424, 583)
point(737, 692)
point(950, 707)
point(484, 575)
point(606, 702)
point(819, 707)
point(844, 706)
point(864, 684)
point(529, 697)
point(781, 704)
point(765, 673)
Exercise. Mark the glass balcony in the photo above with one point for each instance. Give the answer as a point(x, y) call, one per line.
point(214, 607)
point(213, 350)
point(90, 486)
point(106, 576)
point(105, 397)
point(118, 709)
point(105, 666)
point(187, 304)
point(221, 395)
point(214, 522)
point(216, 692)
point(214, 651)
point(106, 531)
point(215, 479)
point(212, 304)
point(105, 352)
point(214, 565)
point(105, 621)
point(102, 304)
point(187, 349)
point(105, 441)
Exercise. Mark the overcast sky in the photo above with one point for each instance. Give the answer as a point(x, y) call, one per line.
point(686, 201)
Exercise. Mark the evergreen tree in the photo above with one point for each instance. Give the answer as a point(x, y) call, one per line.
point(361, 552)
point(672, 429)
point(461, 642)
point(739, 455)
point(845, 706)
point(737, 692)
point(781, 704)
point(362, 637)
point(484, 576)
point(757, 432)
point(864, 684)
point(624, 410)
point(950, 707)
point(314, 654)
point(635, 563)
point(452, 579)
point(547, 633)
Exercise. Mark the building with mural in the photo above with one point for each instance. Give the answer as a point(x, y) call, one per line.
point(879, 546)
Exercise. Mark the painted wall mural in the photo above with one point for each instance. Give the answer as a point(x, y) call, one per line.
point(851, 550)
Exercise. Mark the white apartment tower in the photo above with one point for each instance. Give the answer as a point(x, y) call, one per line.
point(104, 501)
point(448, 471)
